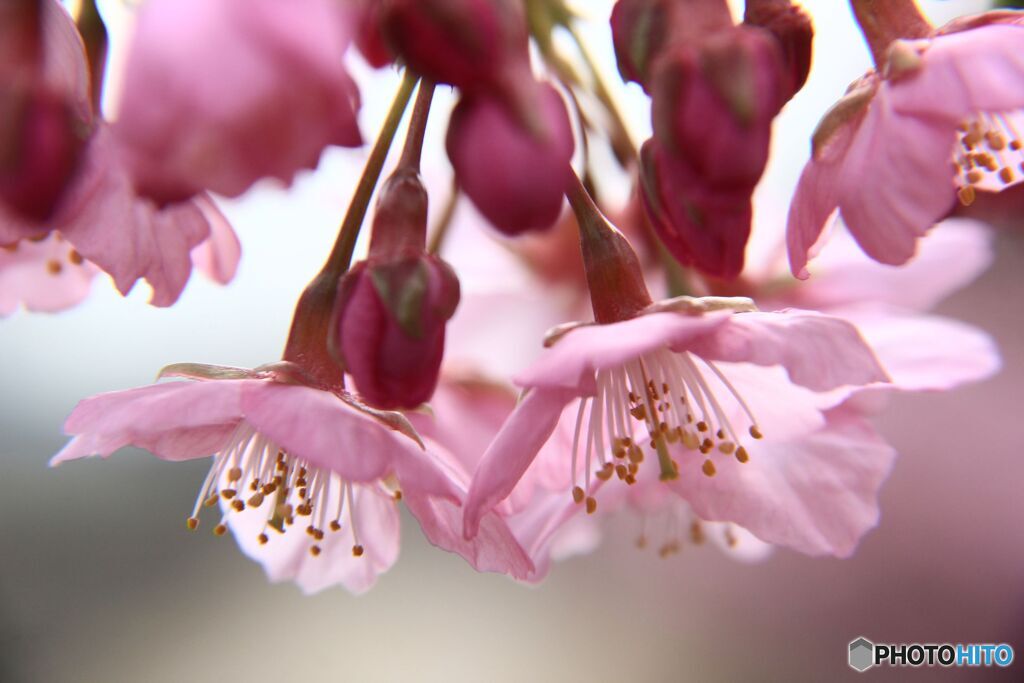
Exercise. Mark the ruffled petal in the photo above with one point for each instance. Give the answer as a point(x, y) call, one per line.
point(816, 494)
point(286, 557)
point(819, 352)
point(572, 361)
point(217, 257)
point(898, 179)
point(966, 72)
point(512, 451)
point(47, 275)
point(175, 421)
point(952, 257)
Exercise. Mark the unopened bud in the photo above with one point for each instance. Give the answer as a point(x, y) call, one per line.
point(466, 43)
point(703, 225)
point(515, 173)
point(713, 106)
point(792, 29)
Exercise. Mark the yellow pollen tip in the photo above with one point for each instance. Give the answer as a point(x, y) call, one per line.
point(75, 258)
point(53, 267)
point(238, 505)
point(702, 426)
point(591, 505)
point(398, 495)
point(357, 551)
point(192, 523)
point(708, 468)
point(234, 474)
point(314, 550)
point(577, 494)
point(227, 494)
point(755, 432)
point(255, 500)
point(966, 195)
point(335, 525)
point(220, 530)
point(262, 539)
point(742, 455)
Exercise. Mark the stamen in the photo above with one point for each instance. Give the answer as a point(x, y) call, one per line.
point(990, 154)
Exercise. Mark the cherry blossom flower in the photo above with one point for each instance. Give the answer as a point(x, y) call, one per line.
point(943, 120)
point(695, 378)
point(100, 217)
point(288, 455)
point(217, 95)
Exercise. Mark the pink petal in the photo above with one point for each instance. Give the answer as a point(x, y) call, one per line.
point(43, 276)
point(816, 494)
point(217, 257)
point(320, 428)
point(953, 256)
point(492, 549)
point(897, 179)
point(175, 421)
point(572, 361)
point(981, 69)
point(217, 95)
point(925, 352)
point(286, 557)
point(818, 351)
point(127, 237)
point(512, 451)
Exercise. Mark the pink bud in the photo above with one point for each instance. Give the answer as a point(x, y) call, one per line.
point(714, 105)
point(702, 225)
point(391, 325)
point(514, 171)
point(219, 94)
point(791, 27)
point(470, 44)
point(41, 144)
point(640, 30)
point(369, 37)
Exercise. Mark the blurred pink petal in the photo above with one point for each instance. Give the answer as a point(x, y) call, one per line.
point(217, 257)
point(47, 275)
point(220, 94)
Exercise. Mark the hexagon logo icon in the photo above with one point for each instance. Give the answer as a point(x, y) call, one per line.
point(862, 654)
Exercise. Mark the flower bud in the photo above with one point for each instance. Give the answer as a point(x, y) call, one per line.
point(471, 44)
point(714, 106)
point(392, 308)
point(791, 27)
point(640, 30)
point(220, 94)
point(369, 37)
point(515, 173)
point(703, 225)
point(41, 144)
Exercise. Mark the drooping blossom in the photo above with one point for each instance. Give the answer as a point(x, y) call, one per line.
point(306, 478)
point(217, 95)
point(943, 119)
point(513, 167)
point(393, 308)
point(704, 386)
point(99, 215)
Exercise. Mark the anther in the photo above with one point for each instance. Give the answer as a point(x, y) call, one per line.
point(227, 494)
point(234, 474)
point(335, 525)
point(314, 550)
point(220, 530)
point(708, 468)
point(357, 551)
point(741, 454)
point(702, 426)
point(262, 538)
point(192, 523)
point(238, 505)
point(755, 432)
point(255, 500)
point(53, 267)
point(577, 494)
point(591, 505)
point(966, 195)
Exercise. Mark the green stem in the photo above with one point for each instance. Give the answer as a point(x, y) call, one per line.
point(341, 255)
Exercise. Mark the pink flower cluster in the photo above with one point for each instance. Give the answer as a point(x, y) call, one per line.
point(736, 407)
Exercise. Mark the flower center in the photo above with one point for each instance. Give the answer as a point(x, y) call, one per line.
point(990, 155)
point(254, 476)
point(669, 394)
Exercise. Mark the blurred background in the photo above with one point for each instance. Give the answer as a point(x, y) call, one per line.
point(100, 581)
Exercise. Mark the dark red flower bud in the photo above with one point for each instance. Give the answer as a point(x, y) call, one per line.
point(514, 171)
point(369, 37)
point(41, 144)
point(792, 28)
point(713, 106)
point(392, 309)
point(471, 44)
point(640, 30)
point(702, 225)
